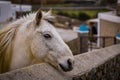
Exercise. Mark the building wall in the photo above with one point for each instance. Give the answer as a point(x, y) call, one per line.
point(74, 46)
point(108, 28)
point(5, 11)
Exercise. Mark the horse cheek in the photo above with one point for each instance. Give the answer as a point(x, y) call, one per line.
point(38, 51)
point(51, 59)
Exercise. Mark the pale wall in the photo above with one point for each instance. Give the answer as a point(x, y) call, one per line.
point(108, 28)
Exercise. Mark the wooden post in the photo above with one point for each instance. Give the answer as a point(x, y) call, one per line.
point(83, 42)
point(103, 41)
point(115, 41)
point(118, 8)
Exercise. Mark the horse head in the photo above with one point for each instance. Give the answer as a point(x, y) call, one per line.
point(47, 45)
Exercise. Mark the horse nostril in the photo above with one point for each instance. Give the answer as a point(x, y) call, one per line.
point(67, 65)
point(69, 61)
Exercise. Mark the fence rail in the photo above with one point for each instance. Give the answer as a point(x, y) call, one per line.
point(90, 43)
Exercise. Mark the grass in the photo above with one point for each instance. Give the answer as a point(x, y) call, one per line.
point(91, 13)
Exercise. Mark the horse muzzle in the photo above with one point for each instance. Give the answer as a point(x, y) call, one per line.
point(68, 66)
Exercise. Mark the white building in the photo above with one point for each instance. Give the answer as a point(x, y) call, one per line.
point(6, 11)
point(22, 8)
point(108, 25)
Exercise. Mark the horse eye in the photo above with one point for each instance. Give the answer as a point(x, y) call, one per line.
point(47, 36)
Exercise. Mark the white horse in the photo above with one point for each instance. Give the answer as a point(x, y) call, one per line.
point(33, 37)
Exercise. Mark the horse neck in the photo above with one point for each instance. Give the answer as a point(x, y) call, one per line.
point(21, 56)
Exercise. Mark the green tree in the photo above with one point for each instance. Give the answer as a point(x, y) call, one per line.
point(83, 16)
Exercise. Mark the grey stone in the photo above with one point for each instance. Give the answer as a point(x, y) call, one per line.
point(102, 64)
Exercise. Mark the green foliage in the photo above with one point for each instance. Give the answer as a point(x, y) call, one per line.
point(59, 13)
point(83, 16)
point(79, 14)
point(95, 15)
point(65, 14)
point(73, 15)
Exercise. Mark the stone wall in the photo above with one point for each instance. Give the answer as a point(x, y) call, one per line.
point(74, 46)
point(108, 28)
point(102, 64)
point(110, 70)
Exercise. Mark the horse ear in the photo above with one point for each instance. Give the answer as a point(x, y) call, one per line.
point(38, 17)
point(49, 12)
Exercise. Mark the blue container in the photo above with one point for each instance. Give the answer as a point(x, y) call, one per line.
point(83, 28)
point(118, 36)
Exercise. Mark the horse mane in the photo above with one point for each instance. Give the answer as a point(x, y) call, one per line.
point(7, 36)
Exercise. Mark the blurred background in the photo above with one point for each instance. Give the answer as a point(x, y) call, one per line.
point(70, 8)
point(99, 18)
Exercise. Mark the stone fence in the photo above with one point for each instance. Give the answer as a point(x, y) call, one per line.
point(102, 64)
